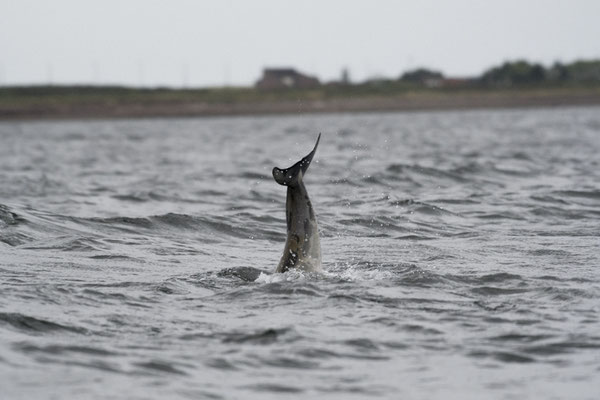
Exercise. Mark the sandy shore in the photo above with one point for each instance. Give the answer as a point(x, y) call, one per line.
point(405, 102)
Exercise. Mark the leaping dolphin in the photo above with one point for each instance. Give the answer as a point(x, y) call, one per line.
point(302, 247)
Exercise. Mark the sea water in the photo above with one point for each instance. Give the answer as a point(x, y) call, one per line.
point(461, 256)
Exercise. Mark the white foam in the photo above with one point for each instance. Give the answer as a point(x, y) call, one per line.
point(289, 276)
point(349, 272)
point(353, 272)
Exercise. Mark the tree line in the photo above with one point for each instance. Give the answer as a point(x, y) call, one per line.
point(518, 73)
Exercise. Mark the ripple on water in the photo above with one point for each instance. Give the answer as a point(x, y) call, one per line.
point(7, 217)
point(275, 388)
point(503, 356)
point(37, 325)
point(159, 367)
point(58, 349)
point(455, 244)
point(261, 337)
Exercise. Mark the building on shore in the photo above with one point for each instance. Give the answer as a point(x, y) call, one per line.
point(286, 78)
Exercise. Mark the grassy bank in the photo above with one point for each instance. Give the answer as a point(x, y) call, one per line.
point(113, 102)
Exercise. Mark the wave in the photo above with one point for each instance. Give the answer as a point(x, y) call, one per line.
point(55, 349)
point(69, 243)
point(37, 230)
point(414, 169)
point(587, 194)
point(503, 356)
point(10, 223)
point(171, 197)
point(420, 207)
point(36, 325)
point(7, 217)
point(266, 336)
point(160, 367)
point(565, 346)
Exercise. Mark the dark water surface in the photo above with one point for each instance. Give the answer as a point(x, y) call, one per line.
point(461, 249)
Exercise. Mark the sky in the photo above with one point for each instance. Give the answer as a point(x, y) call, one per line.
point(195, 43)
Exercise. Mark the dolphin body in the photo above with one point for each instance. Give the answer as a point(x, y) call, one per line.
point(302, 247)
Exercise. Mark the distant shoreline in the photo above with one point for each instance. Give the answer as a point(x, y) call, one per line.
point(243, 102)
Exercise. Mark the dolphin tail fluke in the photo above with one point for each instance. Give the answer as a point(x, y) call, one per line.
point(293, 175)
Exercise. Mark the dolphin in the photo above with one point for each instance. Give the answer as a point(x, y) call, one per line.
point(302, 247)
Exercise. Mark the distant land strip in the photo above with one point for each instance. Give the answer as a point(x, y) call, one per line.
point(98, 102)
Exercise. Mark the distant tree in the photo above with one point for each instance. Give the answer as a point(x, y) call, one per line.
point(557, 73)
point(421, 75)
point(514, 73)
point(584, 71)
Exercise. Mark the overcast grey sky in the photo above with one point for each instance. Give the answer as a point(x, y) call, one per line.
point(211, 43)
